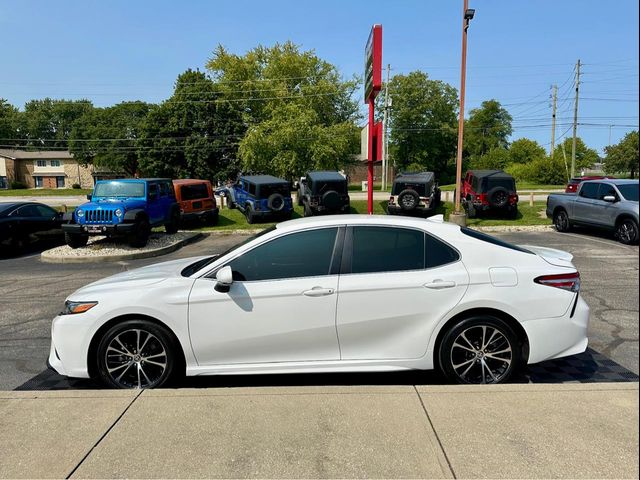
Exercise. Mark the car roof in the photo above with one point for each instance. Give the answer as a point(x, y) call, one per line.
point(187, 181)
point(415, 176)
point(355, 219)
point(614, 181)
point(4, 206)
point(326, 176)
point(263, 179)
point(490, 173)
point(133, 180)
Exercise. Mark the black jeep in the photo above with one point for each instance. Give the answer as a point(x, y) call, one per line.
point(414, 194)
point(323, 192)
point(485, 190)
point(260, 196)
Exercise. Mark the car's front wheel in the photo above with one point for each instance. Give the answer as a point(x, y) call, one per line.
point(75, 240)
point(136, 354)
point(139, 237)
point(479, 350)
point(174, 221)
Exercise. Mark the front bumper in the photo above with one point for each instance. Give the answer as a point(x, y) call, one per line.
point(70, 339)
point(558, 337)
point(98, 229)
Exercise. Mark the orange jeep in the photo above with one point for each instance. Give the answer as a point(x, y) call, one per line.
point(196, 200)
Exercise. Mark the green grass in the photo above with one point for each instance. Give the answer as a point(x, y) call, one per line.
point(235, 220)
point(41, 192)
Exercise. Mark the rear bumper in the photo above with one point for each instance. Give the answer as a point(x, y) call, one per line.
point(558, 337)
point(418, 210)
point(201, 215)
point(119, 229)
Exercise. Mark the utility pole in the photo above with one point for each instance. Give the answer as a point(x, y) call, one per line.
point(553, 121)
point(385, 141)
point(575, 122)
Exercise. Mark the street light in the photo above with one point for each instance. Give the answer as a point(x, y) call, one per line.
point(458, 216)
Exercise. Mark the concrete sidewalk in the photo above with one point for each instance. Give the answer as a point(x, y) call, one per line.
point(532, 431)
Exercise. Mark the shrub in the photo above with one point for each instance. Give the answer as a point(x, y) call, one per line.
point(542, 170)
point(18, 186)
point(75, 186)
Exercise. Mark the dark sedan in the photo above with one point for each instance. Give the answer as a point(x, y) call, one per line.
point(21, 221)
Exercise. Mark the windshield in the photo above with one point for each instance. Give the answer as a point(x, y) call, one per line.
point(629, 191)
point(119, 189)
point(200, 264)
point(419, 188)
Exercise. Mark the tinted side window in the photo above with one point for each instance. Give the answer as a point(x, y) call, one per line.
point(589, 190)
point(164, 189)
point(304, 254)
point(606, 189)
point(252, 189)
point(438, 253)
point(28, 211)
point(384, 249)
point(493, 240)
point(45, 211)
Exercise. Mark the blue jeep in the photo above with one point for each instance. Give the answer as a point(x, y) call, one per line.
point(128, 207)
point(260, 196)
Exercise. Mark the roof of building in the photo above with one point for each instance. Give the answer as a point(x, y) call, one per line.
point(15, 154)
point(326, 176)
point(263, 179)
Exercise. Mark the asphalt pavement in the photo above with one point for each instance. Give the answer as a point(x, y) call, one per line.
point(32, 293)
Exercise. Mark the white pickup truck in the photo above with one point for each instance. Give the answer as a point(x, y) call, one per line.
point(609, 204)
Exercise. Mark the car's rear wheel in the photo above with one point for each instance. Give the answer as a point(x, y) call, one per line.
point(251, 218)
point(307, 210)
point(479, 350)
point(75, 240)
point(212, 218)
point(561, 221)
point(627, 231)
point(135, 354)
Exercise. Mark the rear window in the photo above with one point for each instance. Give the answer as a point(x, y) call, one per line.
point(320, 188)
point(419, 188)
point(268, 190)
point(507, 183)
point(629, 192)
point(194, 192)
point(493, 240)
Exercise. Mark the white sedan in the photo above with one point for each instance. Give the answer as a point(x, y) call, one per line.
point(346, 293)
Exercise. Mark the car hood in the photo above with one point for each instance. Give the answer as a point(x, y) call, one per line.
point(559, 258)
point(125, 203)
point(139, 277)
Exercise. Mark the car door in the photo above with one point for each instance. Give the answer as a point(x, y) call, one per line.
point(281, 306)
point(154, 204)
point(396, 284)
point(604, 213)
point(583, 207)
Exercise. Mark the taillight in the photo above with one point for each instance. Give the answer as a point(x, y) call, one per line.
point(391, 200)
point(565, 281)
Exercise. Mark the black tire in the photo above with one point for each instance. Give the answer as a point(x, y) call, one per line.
point(299, 197)
point(140, 235)
point(627, 231)
point(437, 198)
point(308, 212)
point(248, 212)
point(157, 345)
point(408, 199)
point(561, 221)
point(468, 361)
point(275, 202)
point(174, 222)
point(212, 219)
point(512, 212)
point(75, 240)
point(331, 200)
point(498, 197)
point(471, 210)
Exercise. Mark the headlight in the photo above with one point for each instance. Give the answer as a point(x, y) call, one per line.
point(71, 308)
point(118, 212)
point(80, 213)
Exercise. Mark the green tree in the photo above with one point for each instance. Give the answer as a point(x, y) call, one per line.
point(109, 137)
point(495, 159)
point(585, 156)
point(195, 133)
point(488, 127)
point(423, 122)
point(623, 157)
point(524, 150)
point(48, 123)
point(278, 89)
point(8, 123)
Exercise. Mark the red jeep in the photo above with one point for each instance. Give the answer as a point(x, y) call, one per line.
point(484, 190)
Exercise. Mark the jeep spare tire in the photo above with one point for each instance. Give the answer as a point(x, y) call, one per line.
point(408, 199)
point(275, 202)
point(498, 197)
point(331, 200)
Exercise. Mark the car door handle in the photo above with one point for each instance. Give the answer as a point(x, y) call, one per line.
point(439, 284)
point(318, 292)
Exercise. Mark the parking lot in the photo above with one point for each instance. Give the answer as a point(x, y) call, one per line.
point(33, 293)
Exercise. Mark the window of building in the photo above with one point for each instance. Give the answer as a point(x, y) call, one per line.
point(59, 182)
point(41, 163)
point(55, 163)
point(38, 181)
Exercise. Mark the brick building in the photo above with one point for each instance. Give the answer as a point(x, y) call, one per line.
point(43, 169)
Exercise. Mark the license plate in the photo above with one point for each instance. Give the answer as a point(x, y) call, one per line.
point(94, 229)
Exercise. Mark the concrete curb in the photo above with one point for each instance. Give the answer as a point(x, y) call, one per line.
point(49, 258)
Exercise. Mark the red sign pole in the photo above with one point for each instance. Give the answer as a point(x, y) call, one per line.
point(371, 157)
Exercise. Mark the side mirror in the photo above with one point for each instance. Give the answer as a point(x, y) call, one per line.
point(224, 279)
point(609, 198)
point(89, 197)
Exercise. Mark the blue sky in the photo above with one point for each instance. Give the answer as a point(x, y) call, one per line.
point(110, 51)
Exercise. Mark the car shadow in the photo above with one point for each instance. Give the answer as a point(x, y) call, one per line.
point(37, 244)
point(587, 367)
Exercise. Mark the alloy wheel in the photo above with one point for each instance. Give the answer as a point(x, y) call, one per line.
point(627, 231)
point(136, 358)
point(481, 354)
